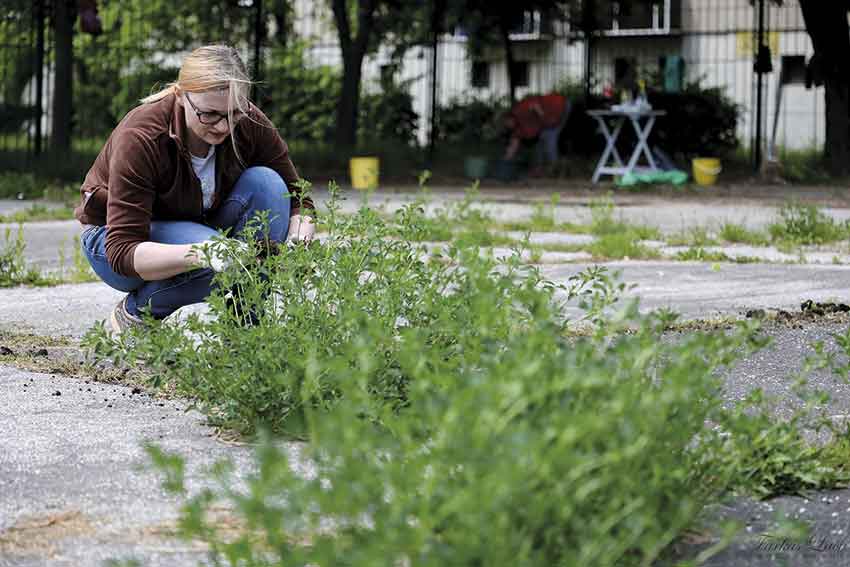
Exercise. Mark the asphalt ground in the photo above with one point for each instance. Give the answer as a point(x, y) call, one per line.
point(75, 488)
point(48, 241)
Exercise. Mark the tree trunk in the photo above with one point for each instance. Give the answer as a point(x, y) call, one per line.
point(281, 12)
point(837, 144)
point(353, 51)
point(63, 87)
point(349, 103)
point(509, 58)
point(826, 23)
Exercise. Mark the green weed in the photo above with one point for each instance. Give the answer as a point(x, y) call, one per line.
point(804, 166)
point(551, 452)
point(559, 247)
point(80, 270)
point(775, 459)
point(542, 225)
point(14, 270)
point(13, 267)
point(697, 236)
point(741, 259)
point(39, 212)
point(616, 246)
point(602, 216)
point(738, 233)
point(700, 254)
point(801, 224)
point(452, 416)
point(543, 217)
point(603, 222)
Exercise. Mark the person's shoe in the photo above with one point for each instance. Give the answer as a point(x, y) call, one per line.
point(121, 320)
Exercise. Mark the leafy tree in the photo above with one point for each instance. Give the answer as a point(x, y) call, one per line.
point(302, 102)
point(18, 60)
point(17, 63)
point(99, 77)
point(362, 26)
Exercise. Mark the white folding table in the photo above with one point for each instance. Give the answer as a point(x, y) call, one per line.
point(618, 118)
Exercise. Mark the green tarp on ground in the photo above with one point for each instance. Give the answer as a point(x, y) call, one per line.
point(673, 177)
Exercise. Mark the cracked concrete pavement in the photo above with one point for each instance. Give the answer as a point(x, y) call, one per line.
point(74, 488)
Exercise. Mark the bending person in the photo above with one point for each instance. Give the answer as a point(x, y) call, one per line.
point(537, 119)
point(194, 158)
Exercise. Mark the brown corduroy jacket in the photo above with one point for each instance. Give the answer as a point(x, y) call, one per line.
point(144, 173)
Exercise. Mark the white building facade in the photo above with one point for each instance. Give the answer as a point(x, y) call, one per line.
point(714, 39)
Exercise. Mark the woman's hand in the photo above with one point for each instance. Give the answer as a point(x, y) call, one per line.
point(301, 229)
point(218, 254)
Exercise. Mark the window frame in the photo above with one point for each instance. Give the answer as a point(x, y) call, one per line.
point(660, 9)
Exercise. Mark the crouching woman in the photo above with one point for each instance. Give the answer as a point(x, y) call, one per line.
point(194, 158)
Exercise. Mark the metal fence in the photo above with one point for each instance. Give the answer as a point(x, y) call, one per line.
point(134, 47)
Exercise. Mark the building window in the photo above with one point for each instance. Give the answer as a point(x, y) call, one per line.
point(532, 23)
point(529, 25)
point(635, 18)
point(480, 74)
point(521, 73)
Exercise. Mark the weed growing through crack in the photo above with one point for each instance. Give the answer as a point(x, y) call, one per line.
point(452, 417)
point(616, 246)
point(543, 217)
point(80, 270)
point(801, 224)
point(603, 222)
point(697, 237)
point(13, 267)
point(739, 234)
point(700, 254)
point(15, 271)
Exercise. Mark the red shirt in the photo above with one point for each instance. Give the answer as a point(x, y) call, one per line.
point(534, 113)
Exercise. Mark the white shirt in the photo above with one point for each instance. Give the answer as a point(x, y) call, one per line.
point(205, 170)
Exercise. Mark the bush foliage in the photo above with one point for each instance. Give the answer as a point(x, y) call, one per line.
point(711, 116)
point(469, 121)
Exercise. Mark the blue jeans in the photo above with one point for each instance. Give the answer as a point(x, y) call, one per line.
point(547, 144)
point(258, 189)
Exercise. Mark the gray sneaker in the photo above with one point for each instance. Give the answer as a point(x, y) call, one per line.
point(121, 319)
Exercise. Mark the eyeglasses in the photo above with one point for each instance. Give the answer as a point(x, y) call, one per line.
point(210, 118)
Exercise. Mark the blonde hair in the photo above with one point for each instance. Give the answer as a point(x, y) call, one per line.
point(210, 68)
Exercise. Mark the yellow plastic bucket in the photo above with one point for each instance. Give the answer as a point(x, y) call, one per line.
point(364, 172)
point(706, 170)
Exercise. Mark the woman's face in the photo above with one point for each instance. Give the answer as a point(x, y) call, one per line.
point(206, 115)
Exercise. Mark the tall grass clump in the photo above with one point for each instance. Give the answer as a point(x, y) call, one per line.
point(803, 224)
point(616, 239)
point(738, 233)
point(14, 270)
point(452, 416)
